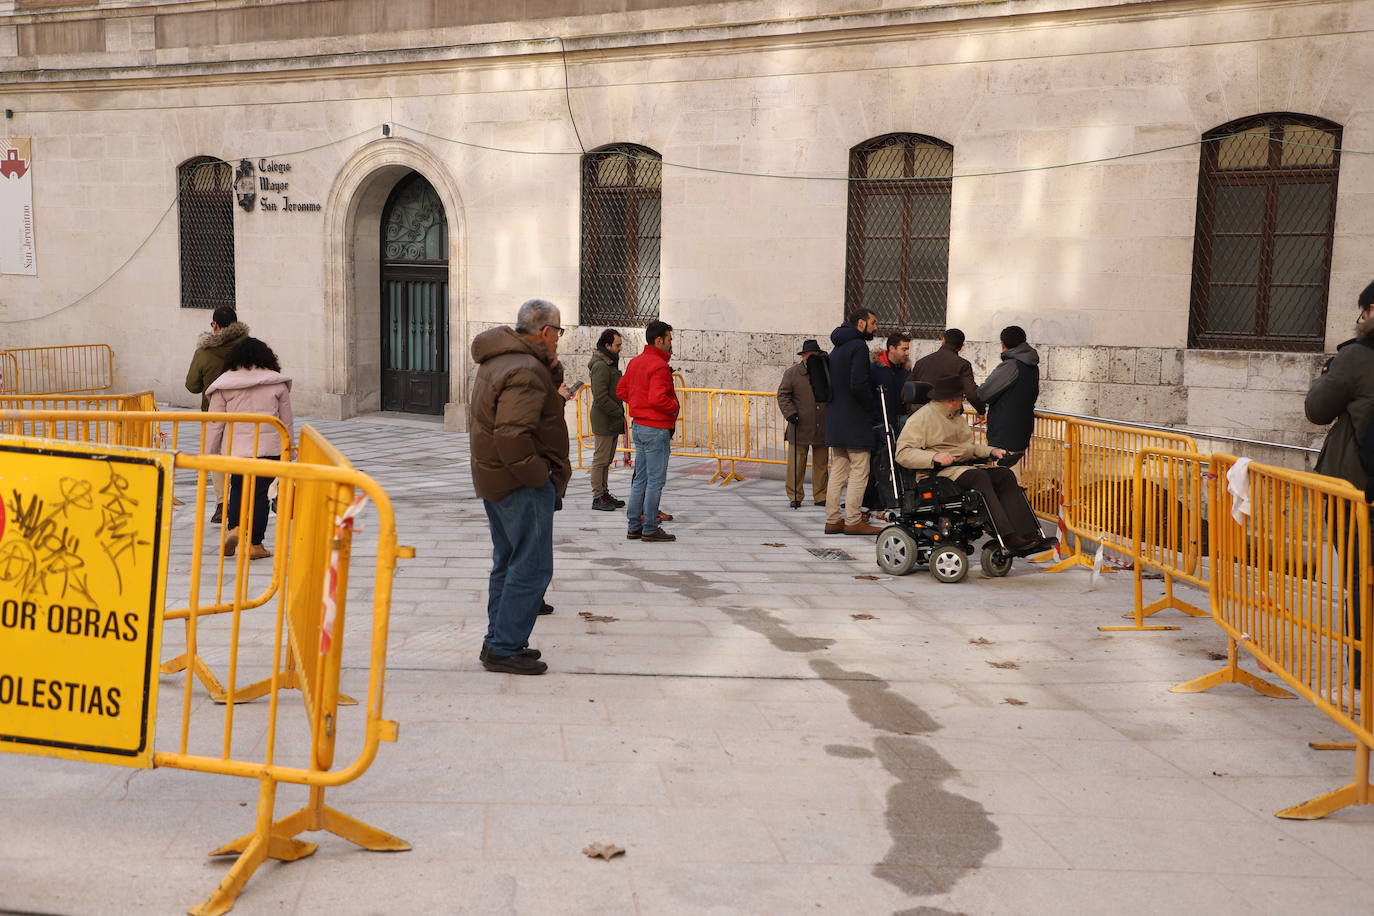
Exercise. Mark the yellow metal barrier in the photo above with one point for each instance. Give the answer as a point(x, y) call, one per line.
point(59, 370)
point(301, 644)
point(9, 372)
point(1098, 479)
point(1290, 582)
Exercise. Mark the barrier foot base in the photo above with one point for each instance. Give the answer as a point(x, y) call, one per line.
point(1136, 628)
point(1166, 603)
point(364, 835)
point(222, 900)
point(286, 680)
point(1231, 675)
point(202, 672)
point(1071, 562)
point(1331, 802)
point(1331, 745)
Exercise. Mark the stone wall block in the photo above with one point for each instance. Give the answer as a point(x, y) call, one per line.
point(1147, 365)
point(1061, 364)
point(1171, 367)
point(1122, 368)
point(1216, 369)
point(1147, 404)
point(1215, 408)
point(1096, 364)
point(1284, 371)
point(1071, 397)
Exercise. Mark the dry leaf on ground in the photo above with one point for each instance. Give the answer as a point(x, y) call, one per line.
point(863, 616)
point(980, 641)
point(1004, 665)
point(605, 851)
point(772, 545)
point(870, 578)
point(1012, 701)
point(596, 618)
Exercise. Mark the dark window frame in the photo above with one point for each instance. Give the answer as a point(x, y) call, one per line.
point(205, 235)
point(1271, 176)
point(910, 188)
point(623, 307)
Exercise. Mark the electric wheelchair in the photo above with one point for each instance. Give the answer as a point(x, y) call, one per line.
point(934, 522)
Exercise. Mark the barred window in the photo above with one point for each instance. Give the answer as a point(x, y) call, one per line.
point(622, 201)
point(205, 209)
point(897, 263)
point(1266, 211)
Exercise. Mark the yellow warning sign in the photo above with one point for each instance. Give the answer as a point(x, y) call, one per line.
point(84, 535)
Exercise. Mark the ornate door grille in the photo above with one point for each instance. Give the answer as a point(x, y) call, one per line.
point(1266, 212)
point(897, 263)
point(205, 227)
point(415, 376)
point(622, 197)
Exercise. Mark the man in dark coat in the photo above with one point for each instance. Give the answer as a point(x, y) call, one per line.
point(1344, 393)
point(1010, 391)
point(849, 420)
point(801, 399)
point(607, 416)
point(520, 469)
point(890, 373)
point(208, 364)
point(945, 362)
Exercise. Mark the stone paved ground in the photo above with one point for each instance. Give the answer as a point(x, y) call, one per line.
point(976, 748)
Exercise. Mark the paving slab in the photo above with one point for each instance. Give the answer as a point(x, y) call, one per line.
point(975, 748)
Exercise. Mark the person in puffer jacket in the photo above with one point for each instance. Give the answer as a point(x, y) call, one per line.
point(251, 383)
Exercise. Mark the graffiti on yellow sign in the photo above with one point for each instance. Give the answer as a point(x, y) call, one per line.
point(84, 534)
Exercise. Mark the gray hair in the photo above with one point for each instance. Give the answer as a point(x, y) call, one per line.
point(534, 314)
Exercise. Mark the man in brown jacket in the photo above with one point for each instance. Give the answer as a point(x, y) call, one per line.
point(945, 362)
point(520, 469)
point(801, 397)
point(207, 364)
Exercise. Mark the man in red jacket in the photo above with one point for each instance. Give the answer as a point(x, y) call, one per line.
point(647, 390)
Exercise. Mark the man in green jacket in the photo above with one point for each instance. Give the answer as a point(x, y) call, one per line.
point(208, 364)
point(607, 415)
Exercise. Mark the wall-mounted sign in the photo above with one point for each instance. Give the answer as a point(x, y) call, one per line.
point(83, 576)
point(18, 254)
point(273, 189)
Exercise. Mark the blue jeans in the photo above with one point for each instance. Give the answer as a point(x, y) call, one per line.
point(651, 473)
point(521, 565)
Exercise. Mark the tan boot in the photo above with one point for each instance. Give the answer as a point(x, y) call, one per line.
point(258, 552)
point(231, 542)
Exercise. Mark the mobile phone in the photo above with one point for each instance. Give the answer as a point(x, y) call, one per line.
point(575, 387)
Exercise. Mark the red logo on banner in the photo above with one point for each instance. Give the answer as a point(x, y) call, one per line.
point(2, 518)
point(12, 166)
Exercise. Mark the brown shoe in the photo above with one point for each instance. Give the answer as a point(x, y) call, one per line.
point(863, 528)
point(657, 536)
point(834, 527)
point(231, 542)
point(258, 552)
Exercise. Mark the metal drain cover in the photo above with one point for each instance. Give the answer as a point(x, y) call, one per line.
point(829, 553)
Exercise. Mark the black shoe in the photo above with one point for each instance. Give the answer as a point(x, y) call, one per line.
point(819, 502)
point(633, 535)
point(658, 535)
point(604, 503)
point(545, 608)
point(514, 664)
point(795, 504)
point(527, 652)
point(619, 503)
point(219, 514)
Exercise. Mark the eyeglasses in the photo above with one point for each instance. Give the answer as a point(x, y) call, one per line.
point(556, 328)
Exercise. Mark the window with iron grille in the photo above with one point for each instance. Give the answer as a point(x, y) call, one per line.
point(898, 242)
point(1266, 210)
point(622, 203)
point(205, 209)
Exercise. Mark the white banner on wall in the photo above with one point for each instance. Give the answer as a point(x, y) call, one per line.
point(17, 252)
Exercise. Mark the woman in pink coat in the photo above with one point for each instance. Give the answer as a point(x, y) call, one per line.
point(252, 383)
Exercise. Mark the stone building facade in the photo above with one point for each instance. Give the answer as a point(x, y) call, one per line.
point(755, 108)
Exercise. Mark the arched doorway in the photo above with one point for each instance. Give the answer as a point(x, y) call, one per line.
point(414, 299)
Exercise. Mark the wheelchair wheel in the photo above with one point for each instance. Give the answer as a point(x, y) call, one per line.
point(995, 561)
point(896, 551)
point(949, 564)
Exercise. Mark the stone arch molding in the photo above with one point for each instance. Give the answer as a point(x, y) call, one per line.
point(352, 259)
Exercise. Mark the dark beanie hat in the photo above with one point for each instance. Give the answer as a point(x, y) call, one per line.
point(1367, 297)
point(947, 388)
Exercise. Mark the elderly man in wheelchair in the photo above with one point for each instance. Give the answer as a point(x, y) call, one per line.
point(959, 497)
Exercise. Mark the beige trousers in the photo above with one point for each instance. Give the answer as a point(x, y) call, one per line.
point(601, 463)
point(848, 467)
point(796, 471)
